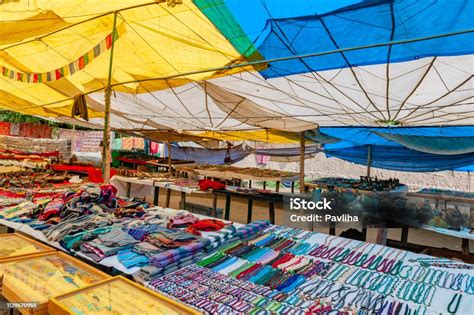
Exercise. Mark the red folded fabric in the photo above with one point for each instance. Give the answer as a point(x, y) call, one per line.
point(205, 184)
point(207, 225)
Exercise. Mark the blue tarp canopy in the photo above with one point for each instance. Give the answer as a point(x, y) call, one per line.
point(422, 149)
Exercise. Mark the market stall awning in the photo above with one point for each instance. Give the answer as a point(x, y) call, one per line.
point(421, 149)
point(208, 65)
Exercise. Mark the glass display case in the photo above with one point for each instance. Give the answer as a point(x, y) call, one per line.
point(37, 278)
point(117, 295)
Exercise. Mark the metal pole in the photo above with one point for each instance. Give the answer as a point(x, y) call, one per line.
point(369, 159)
point(106, 157)
point(302, 150)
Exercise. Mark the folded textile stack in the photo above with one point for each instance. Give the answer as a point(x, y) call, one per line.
point(253, 228)
point(52, 208)
point(141, 231)
point(170, 256)
point(6, 202)
point(74, 241)
point(172, 260)
point(207, 225)
point(147, 249)
point(224, 236)
point(151, 272)
point(23, 208)
point(78, 224)
point(137, 211)
point(130, 258)
point(105, 245)
point(180, 221)
point(169, 238)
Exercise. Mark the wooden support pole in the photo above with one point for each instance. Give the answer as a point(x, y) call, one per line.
point(106, 156)
point(169, 160)
point(73, 140)
point(302, 150)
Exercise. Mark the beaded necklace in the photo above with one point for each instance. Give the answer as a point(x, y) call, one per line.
point(458, 301)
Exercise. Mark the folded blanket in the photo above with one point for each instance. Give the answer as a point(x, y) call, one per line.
point(131, 259)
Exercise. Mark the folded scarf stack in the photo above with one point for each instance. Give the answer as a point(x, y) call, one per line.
point(142, 231)
point(52, 209)
point(148, 273)
point(18, 210)
point(224, 236)
point(74, 242)
point(147, 249)
point(170, 238)
point(131, 259)
point(161, 260)
point(108, 244)
point(251, 229)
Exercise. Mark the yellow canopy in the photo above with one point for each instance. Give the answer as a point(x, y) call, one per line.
point(155, 40)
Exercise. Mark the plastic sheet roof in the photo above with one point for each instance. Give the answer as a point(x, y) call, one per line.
point(279, 65)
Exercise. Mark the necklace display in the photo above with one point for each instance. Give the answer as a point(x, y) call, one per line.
point(284, 269)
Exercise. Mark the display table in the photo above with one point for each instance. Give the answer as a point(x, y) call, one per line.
point(157, 163)
point(288, 271)
point(271, 198)
point(348, 185)
point(184, 187)
point(94, 173)
point(225, 172)
point(135, 187)
point(449, 212)
point(112, 263)
point(39, 277)
point(132, 186)
point(142, 187)
point(117, 295)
